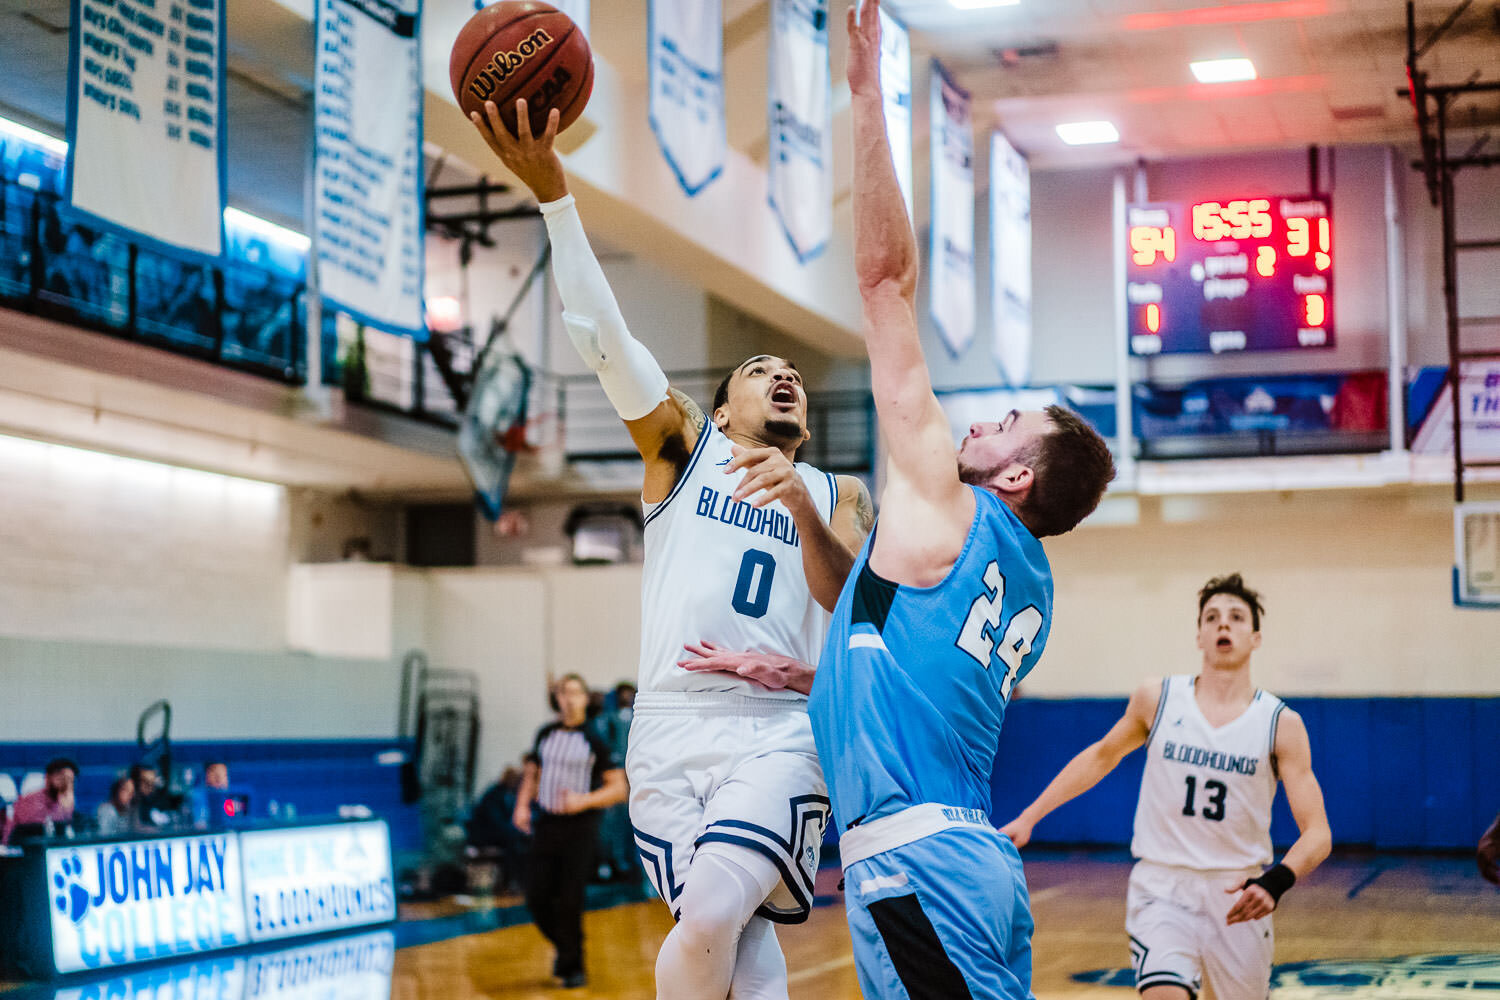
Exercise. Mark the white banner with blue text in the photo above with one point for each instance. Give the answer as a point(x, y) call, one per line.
point(146, 119)
point(686, 50)
point(951, 288)
point(368, 161)
point(138, 901)
point(895, 87)
point(799, 99)
point(1010, 260)
point(307, 880)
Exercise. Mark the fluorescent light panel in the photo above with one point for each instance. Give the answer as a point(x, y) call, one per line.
point(1223, 70)
point(270, 230)
point(34, 137)
point(1088, 133)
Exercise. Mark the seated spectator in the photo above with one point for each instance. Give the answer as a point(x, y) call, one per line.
point(216, 775)
point(50, 804)
point(152, 804)
point(114, 815)
point(490, 829)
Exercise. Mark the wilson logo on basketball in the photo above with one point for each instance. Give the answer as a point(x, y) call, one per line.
point(503, 65)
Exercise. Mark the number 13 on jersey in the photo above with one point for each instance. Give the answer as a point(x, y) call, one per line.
point(977, 637)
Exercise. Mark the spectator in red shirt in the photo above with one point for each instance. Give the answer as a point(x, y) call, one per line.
point(52, 802)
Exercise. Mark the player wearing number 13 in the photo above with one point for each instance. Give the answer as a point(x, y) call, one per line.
point(743, 545)
point(1201, 896)
point(947, 606)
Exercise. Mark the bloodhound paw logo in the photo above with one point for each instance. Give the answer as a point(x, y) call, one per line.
point(72, 899)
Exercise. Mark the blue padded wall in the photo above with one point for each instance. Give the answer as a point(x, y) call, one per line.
point(1413, 773)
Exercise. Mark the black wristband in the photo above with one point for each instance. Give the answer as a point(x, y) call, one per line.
point(1276, 880)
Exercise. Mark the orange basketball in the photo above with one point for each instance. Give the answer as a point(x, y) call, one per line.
point(522, 48)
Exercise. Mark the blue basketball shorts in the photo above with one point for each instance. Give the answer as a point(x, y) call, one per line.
point(945, 917)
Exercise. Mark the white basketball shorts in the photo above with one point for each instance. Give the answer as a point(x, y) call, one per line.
point(1175, 919)
point(709, 771)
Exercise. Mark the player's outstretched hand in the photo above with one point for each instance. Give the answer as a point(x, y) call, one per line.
point(769, 475)
point(769, 670)
point(1019, 832)
point(1254, 903)
point(864, 48)
point(531, 158)
point(1489, 853)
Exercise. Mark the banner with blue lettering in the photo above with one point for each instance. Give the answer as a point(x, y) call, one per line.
point(685, 46)
point(146, 119)
point(895, 87)
point(952, 254)
point(113, 904)
point(311, 879)
point(799, 99)
point(1010, 260)
point(368, 161)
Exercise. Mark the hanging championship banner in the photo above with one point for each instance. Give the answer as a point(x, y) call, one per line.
point(1010, 260)
point(952, 253)
point(368, 161)
point(800, 174)
point(895, 85)
point(686, 49)
point(146, 119)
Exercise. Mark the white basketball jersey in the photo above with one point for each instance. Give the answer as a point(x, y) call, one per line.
point(1206, 793)
point(727, 572)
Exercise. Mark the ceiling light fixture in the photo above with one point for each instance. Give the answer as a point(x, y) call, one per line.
point(1223, 70)
point(32, 136)
point(1087, 133)
point(982, 4)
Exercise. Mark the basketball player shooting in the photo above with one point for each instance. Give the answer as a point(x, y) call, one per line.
point(1201, 894)
point(745, 548)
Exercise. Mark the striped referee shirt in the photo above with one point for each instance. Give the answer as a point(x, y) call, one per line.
point(570, 760)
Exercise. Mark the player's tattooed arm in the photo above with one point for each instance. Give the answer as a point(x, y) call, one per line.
point(854, 514)
point(665, 437)
point(692, 413)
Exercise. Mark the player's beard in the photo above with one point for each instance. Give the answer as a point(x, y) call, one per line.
point(783, 431)
point(976, 475)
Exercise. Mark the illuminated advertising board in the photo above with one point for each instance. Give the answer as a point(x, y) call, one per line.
point(311, 879)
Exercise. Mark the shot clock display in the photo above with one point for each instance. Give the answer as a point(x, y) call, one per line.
point(1245, 274)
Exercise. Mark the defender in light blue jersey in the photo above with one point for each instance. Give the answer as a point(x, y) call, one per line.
point(947, 607)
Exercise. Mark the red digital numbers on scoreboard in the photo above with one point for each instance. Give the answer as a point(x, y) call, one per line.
point(1238, 274)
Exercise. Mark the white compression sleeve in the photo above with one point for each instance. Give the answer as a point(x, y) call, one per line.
point(631, 378)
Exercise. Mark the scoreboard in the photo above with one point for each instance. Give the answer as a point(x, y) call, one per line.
point(1247, 274)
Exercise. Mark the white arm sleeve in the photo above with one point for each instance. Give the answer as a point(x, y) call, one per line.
point(631, 378)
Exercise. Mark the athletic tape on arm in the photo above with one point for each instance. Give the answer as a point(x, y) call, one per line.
point(631, 378)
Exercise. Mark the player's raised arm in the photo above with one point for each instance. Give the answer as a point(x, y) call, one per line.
point(922, 483)
point(1092, 763)
point(664, 425)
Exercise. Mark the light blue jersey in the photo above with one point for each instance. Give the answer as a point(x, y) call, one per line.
point(911, 689)
point(906, 710)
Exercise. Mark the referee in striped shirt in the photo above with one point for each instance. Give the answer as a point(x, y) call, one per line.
point(571, 774)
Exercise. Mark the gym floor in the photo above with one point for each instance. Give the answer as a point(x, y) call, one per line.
point(1379, 926)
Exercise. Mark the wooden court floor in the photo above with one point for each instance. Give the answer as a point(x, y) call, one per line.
point(1367, 926)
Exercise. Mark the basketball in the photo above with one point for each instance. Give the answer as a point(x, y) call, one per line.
point(522, 48)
